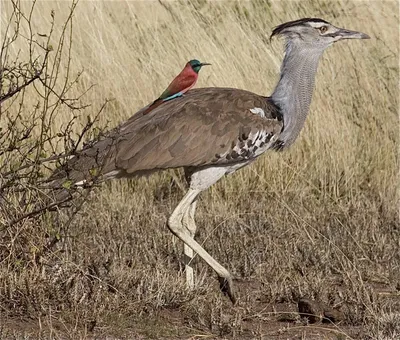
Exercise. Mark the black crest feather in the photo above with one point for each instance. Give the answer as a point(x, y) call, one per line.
point(278, 29)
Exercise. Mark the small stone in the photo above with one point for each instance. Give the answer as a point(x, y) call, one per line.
point(333, 315)
point(310, 310)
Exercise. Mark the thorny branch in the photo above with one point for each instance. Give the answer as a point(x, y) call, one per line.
point(30, 147)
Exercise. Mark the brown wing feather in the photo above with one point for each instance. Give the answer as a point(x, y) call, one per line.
point(193, 130)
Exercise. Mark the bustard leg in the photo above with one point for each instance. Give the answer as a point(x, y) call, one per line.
point(178, 229)
point(190, 224)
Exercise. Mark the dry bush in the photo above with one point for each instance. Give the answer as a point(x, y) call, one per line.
point(31, 65)
point(320, 220)
point(37, 86)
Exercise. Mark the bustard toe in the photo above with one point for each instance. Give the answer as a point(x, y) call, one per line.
point(226, 286)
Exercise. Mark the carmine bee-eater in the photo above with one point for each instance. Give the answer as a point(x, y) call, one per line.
point(182, 83)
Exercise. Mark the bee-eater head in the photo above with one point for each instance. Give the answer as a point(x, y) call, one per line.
point(196, 65)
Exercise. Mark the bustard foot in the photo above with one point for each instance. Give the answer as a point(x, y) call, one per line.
point(226, 286)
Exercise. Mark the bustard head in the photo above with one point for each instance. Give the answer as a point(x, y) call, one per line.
point(306, 40)
point(314, 33)
point(196, 65)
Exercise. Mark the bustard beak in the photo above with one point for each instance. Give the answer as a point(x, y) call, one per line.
point(204, 64)
point(347, 34)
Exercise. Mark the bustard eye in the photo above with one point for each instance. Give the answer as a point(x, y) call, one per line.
point(323, 29)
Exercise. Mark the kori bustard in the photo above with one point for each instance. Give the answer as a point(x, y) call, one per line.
point(211, 132)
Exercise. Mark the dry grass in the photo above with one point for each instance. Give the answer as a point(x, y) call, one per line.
point(320, 220)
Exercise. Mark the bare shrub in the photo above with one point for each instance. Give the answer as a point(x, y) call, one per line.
point(36, 65)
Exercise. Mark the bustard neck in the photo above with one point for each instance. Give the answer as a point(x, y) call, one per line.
point(295, 88)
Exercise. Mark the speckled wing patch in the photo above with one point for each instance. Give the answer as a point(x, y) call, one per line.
point(246, 147)
point(258, 111)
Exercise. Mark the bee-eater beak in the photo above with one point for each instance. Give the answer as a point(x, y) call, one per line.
point(204, 64)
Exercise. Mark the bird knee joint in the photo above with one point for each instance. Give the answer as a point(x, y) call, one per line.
point(175, 224)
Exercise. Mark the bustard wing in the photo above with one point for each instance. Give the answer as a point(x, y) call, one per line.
point(206, 126)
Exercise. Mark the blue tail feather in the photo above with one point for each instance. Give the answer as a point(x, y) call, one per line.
point(179, 94)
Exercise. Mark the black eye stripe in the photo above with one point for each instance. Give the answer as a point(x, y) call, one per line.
point(278, 29)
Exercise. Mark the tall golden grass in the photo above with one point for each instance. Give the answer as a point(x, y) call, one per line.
point(297, 222)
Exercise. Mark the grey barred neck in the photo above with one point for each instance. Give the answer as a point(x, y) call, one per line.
point(294, 91)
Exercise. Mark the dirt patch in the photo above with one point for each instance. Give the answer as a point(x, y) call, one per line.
point(252, 318)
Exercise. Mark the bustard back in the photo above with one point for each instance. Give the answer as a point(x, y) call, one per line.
point(211, 132)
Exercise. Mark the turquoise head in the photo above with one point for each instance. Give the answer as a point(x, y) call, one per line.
point(196, 65)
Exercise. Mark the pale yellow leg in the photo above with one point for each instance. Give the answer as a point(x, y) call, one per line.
point(178, 229)
point(189, 223)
